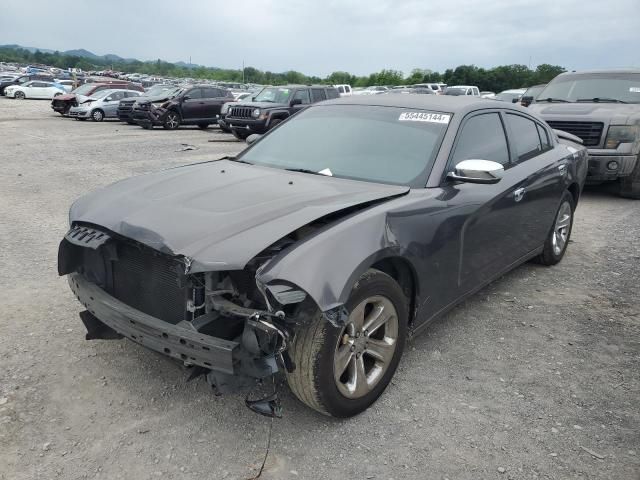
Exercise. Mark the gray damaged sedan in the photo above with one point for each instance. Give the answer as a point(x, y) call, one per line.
point(328, 241)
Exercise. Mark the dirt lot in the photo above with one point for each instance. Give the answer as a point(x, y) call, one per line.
point(537, 376)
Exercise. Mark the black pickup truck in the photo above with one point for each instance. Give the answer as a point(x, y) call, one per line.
point(195, 105)
point(272, 106)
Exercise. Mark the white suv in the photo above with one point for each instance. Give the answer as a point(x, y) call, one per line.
point(344, 90)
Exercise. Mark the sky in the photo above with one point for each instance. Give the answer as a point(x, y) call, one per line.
point(320, 37)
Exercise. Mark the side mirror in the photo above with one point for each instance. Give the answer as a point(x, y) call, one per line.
point(296, 101)
point(108, 99)
point(477, 171)
point(526, 101)
point(186, 97)
point(253, 138)
point(515, 100)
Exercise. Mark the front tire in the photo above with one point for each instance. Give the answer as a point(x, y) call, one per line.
point(171, 121)
point(630, 186)
point(240, 134)
point(342, 371)
point(19, 96)
point(558, 239)
point(203, 126)
point(97, 115)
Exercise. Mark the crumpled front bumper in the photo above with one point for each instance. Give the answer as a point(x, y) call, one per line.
point(181, 343)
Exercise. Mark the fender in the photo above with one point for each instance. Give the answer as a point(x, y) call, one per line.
point(281, 115)
point(327, 264)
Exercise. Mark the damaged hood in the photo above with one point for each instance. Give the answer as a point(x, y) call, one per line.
point(220, 214)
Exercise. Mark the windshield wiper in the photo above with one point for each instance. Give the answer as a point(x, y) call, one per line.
point(236, 159)
point(600, 99)
point(305, 170)
point(551, 100)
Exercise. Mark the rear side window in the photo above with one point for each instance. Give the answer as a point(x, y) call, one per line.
point(341, 89)
point(482, 138)
point(332, 93)
point(317, 95)
point(524, 137)
point(544, 138)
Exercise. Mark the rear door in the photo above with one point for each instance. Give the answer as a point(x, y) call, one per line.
point(489, 243)
point(213, 99)
point(544, 169)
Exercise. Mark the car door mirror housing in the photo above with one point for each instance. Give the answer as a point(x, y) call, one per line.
point(108, 99)
point(296, 101)
point(477, 171)
point(186, 97)
point(253, 138)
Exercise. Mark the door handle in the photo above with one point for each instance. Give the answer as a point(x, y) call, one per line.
point(519, 194)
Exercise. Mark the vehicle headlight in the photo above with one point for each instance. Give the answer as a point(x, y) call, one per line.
point(255, 113)
point(160, 104)
point(618, 134)
point(225, 109)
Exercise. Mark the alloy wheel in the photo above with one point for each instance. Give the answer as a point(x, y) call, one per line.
point(366, 347)
point(172, 121)
point(97, 115)
point(561, 228)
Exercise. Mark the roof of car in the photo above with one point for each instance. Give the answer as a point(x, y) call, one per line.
point(439, 103)
point(605, 70)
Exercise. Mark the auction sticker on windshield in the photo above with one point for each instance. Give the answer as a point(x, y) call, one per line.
point(424, 117)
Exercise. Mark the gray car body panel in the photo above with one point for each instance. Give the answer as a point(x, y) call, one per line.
point(453, 237)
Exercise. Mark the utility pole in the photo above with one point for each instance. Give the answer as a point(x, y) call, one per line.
point(243, 71)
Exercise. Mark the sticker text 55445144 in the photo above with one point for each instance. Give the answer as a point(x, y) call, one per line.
point(424, 117)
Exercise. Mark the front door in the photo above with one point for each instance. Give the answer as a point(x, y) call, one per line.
point(489, 237)
point(194, 106)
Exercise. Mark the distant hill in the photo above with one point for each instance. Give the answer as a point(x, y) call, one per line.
point(80, 52)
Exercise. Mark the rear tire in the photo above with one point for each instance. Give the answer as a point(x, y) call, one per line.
point(372, 347)
point(630, 186)
point(558, 239)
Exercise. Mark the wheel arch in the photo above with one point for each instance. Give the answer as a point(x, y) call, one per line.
point(574, 190)
point(403, 272)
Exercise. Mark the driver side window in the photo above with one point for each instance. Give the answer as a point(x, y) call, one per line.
point(302, 95)
point(194, 93)
point(482, 138)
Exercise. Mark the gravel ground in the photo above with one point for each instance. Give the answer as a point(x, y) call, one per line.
point(536, 376)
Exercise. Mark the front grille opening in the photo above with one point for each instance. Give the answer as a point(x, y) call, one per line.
point(149, 282)
point(589, 132)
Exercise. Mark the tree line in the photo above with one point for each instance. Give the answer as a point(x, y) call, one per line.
point(495, 79)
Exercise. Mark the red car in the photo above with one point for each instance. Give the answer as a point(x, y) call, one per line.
point(63, 103)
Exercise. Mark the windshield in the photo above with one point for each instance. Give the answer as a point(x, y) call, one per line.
point(506, 97)
point(159, 90)
point(534, 91)
point(378, 144)
point(455, 91)
point(274, 95)
point(621, 87)
point(84, 89)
